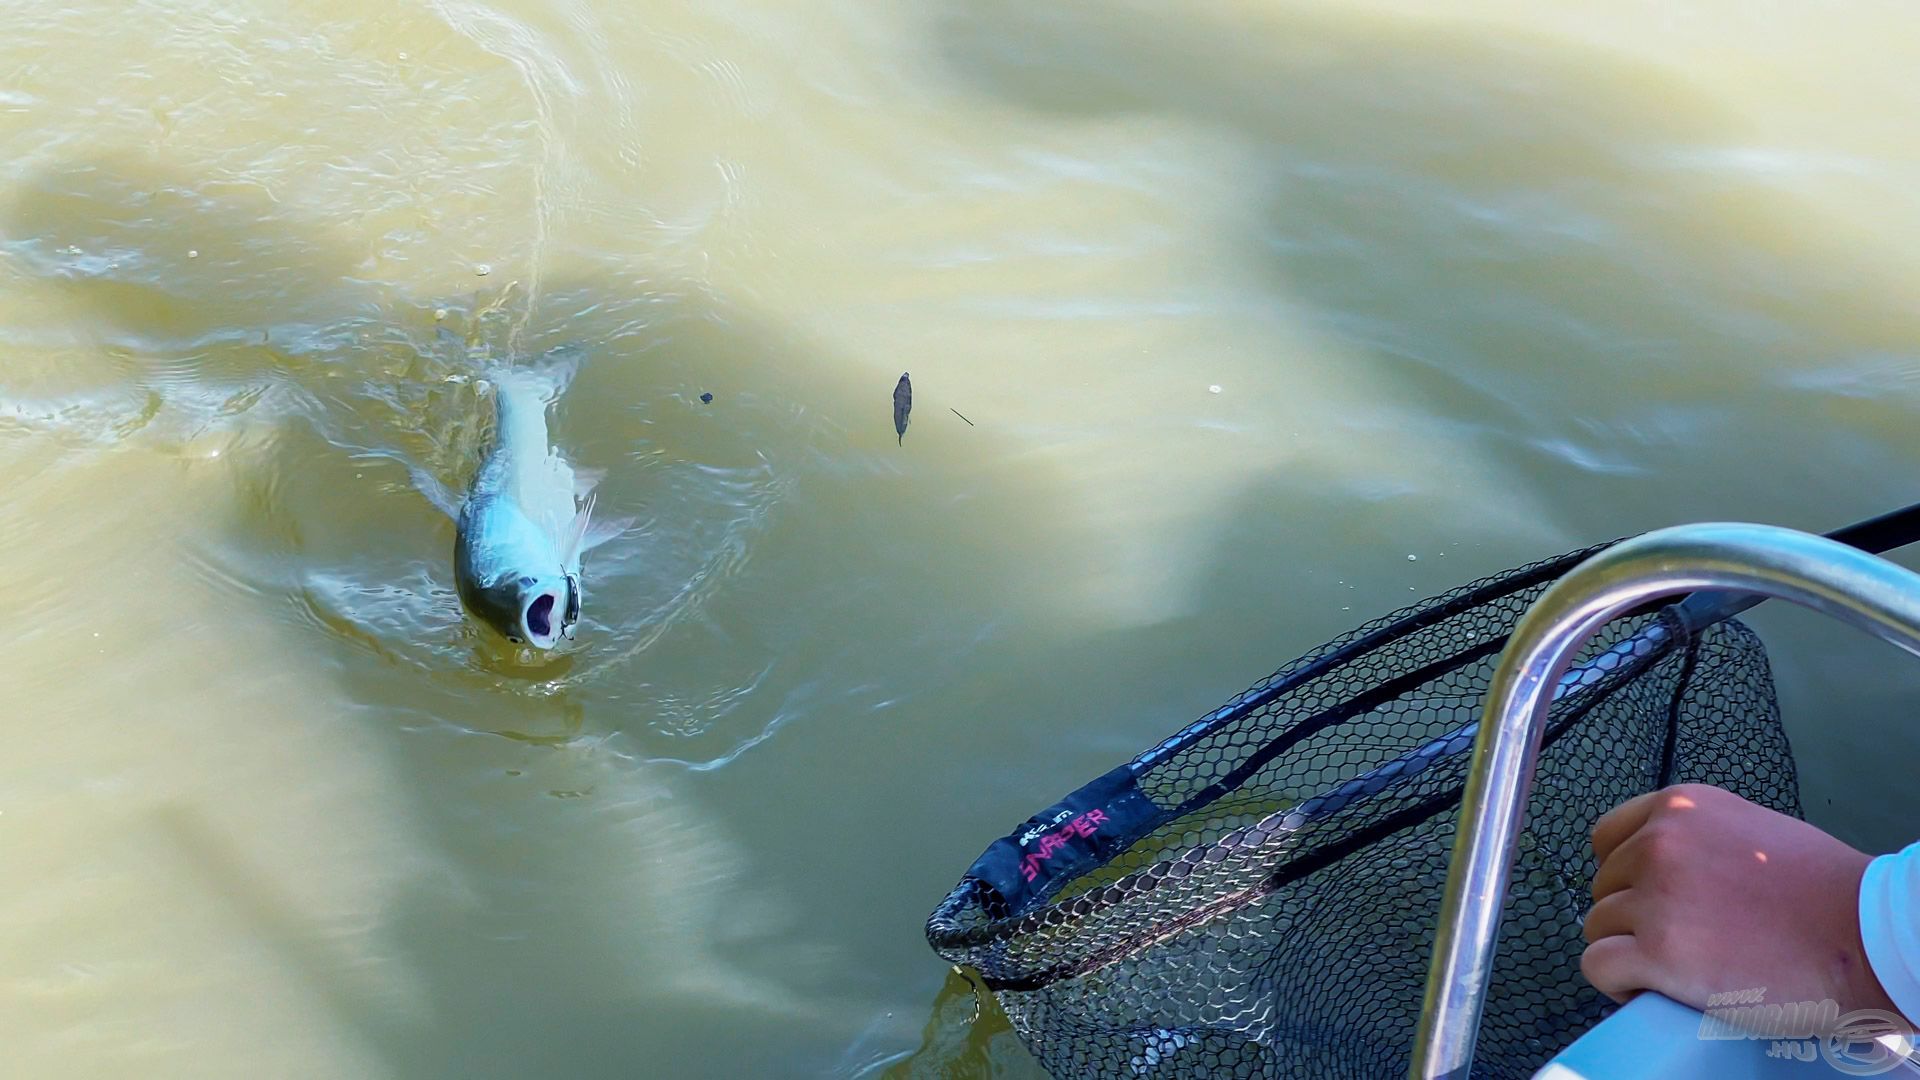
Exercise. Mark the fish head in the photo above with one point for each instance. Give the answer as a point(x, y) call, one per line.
point(531, 609)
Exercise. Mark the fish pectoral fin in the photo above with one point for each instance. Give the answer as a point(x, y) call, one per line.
point(585, 534)
point(602, 531)
point(576, 534)
point(585, 480)
point(424, 482)
point(436, 492)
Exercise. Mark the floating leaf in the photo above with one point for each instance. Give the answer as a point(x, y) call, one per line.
point(902, 405)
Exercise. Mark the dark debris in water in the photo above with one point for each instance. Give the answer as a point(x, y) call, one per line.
point(706, 399)
point(902, 405)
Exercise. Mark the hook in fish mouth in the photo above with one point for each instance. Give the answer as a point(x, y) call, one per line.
point(549, 611)
point(570, 619)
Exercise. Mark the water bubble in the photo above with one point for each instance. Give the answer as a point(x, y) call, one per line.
point(1214, 389)
point(193, 253)
point(403, 56)
point(482, 269)
point(439, 314)
point(1413, 558)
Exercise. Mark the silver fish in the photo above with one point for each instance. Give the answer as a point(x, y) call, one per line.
point(527, 518)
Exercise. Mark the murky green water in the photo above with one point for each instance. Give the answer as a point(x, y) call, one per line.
point(1477, 289)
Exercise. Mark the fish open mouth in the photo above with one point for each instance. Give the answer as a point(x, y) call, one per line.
point(539, 617)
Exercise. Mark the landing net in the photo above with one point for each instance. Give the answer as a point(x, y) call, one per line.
point(1257, 894)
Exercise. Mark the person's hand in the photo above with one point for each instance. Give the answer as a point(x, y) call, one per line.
point(1701, 892)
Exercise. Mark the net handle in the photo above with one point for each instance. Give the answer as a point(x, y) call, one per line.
point(1893, 529)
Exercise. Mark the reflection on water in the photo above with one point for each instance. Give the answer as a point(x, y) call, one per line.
point(967, 1035)
point(1475, 289)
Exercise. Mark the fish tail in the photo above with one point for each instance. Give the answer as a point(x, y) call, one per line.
point(546, 378)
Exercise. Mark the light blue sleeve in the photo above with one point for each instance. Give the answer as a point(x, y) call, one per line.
point(1890, 925)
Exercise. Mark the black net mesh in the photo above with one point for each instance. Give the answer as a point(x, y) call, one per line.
point(1257, 895)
